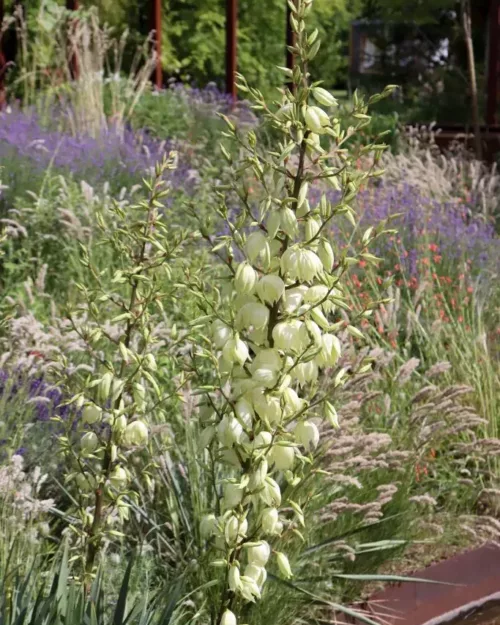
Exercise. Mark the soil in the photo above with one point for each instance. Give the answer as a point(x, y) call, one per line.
point(485, 616)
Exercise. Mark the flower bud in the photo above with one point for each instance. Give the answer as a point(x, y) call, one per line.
point(252, 315)
point(330, 351)
point(269, 520)
point(262, 441)
point(284, 565)
point(315, 293)
point(235, 351)
point(139, 395)
point(293, 298)
point(233, 578)
point(305, 372)
point(228, 618)
point(271, 495)
point(304, 190)
point(323, 97)
point(311, 229)
point(245, 278)
point(119, 424)
point(320, 318)
point(258, 573)
point(331, 415)
point(136, 434)
point(282, 457)
point(208, 526)
point(44, 529)
point(118, 478)
point(91, 414)
point(255, 245)
point(89, 442)
point(307, 435)
point(273, 223)
point(259, 475)
point(267, 406)
point(221, 333)
point(150, 362)
point(287, 336)
point(325, 253)
point(266, 366)
point(105, 386)
point(244, 411)
point(235, 529)
point(316, 120)
point(288, 222)
point(259, 554)
point(301, 264)
point(229, 431)
point(233, 495)
point(292, 402)
point(270, 288)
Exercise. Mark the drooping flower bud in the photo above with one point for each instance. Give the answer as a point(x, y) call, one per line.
point(307, 435)
point(207, 436)
point(229, 431)
point(252, 315)
point(249, 589)
point(266, 367)
point(288, 222)
point(228, 618)
point(267, 406)
point(118, 478)
point(258, 573)
point(234, 578)
point(262, 441)
point(245, 278)
point(91, 414)
point(273, 223)
point(315, 293)
point(256, 244)
point(331, 415)
point(235, 529)
point(302, 264)
point(136, 434)
point(271, 495)
point(270, 288)
point(330, 351)
point(269, 520)
point(235, 351)
point(292, 402)
point(325, 253)
point(288, 336)
point(259, 553)
point(244, 411)
point(221, 333)
point(284, 565)
point(305, 372)
point(316, 120)
point(282, 457)
point(89, 442)
point(293, 298)
point(311, 229)
point(323, 96)
point(208, 526)
point(233, 495)
point(105, 386)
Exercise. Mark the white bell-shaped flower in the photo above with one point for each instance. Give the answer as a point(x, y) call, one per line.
point(252, 315)
point(282, 457)
point(245, 278)
point(221, 333)
point(256, 244)
point(258, 573)
point(267, 406)
point(301, 264)
point(292, 403)
point(330, 351)
point(262, 441)
point(293, 298)
point(271, 494)
point(307, 435)
point(325, 253)
point(235, 529)
point(323, 96)
point(244, 411)
point(316, 120)
point(235, 351)
point(270, 288)
point(288, 336)
point(233, 578)
point(269, 520)
point(208, 526)
point(229, 431)
point(288, 222)
point(233, 495)
point(136, 434)
point(284, 565)
point(91, 414)
point(89, 442)
point(266, 367)
point(305, 372)
point(311, 228)
point(315, 294)
point(228, 618)
point(259, 553)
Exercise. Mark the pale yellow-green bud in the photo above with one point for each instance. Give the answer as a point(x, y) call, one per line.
point(331, 415)
point(270, 288)
point(44, 529)
point(285, 111)
point(208, 526)
point(323, 97)
point(256, 244)
point(119, 424)
point(235, 351)
point(315, 294)
point(293, 298)
point(262, 441)
point(258, 573)
point(292, 402)
point(233, 495)
point(259, 475)
point(245, 278)
point(136, 434)
point(244, 411)
point(320, 318)
point(304, 190)
point(229, 431)
point(269, 521)
point(288, 222)
point(150, 362)
point(235, 529)
point(305, 372)
point(91, 414)
point(228, 618)
point(282, 457)
point(259, 553)
point(253, 315)
point(307, 435)
point(271, 495)
point(139, 394)
point(249, 589)
point(301, 264)
point(105, 386)
point(316, 120)
point(330, 351)
point(89, 442)
point(312, 228)
point(119, 478)
point(289, 336)
point(273, 223)
point(265, 367)
point(303, 209)
point(233, 578)
point(267, 406)
point(284, 565)
point(221, 333)
point(314, 333)
point(325, 253)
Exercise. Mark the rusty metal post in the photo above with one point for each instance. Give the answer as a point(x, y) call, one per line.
point(493, 63)
point(156, 14)
point(73, 5)
point(290, 43)
point(3, 67)
point(231, 46)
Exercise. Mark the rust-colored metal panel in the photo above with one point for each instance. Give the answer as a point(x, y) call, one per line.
point(157, 29)
point(231, 46)
point(493, 63)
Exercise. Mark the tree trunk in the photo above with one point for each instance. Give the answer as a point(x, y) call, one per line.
point(467, 26)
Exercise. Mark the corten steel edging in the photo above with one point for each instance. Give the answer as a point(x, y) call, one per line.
point(468, 580)
point(493, 63)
